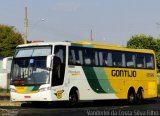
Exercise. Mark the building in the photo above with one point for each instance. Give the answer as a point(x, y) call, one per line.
point(1, 59)
point(5, 65)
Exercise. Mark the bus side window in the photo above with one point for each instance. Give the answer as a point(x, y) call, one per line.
point(140, 61)
point(71, 59)
point(123, 60)
point(110, 60)
point(130, 60)
point(96, 58)
point(87, 61)
point(80, 54)
point(149, 61)
point(105, 58)
point(100, 58)
point(89, 56)
point(117, 58)
point(78, 60)
point(75, 56)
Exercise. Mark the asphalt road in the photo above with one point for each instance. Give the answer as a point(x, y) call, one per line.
point(103, 108)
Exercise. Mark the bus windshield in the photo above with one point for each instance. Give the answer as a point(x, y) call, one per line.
point(29, 66)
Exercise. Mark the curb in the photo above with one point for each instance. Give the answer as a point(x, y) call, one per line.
point(9, 103)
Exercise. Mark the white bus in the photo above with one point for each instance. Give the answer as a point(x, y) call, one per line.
point(73, 71)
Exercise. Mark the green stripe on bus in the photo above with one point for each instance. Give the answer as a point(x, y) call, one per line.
point(103, 79)
point(33, 88)
point(92, 79)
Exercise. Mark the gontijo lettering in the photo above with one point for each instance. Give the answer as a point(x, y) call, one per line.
point(123, 73)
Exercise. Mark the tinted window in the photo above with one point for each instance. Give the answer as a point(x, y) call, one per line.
point(117, 59)
point(130, 60)
point(109, 58)
point(75, 56)
point(60, 51)
point(140, 61)
point(89, 56)
point(149, 60)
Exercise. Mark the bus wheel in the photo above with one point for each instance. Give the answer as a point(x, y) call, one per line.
point(131, 97)
point(140, 95)
point(73, 98)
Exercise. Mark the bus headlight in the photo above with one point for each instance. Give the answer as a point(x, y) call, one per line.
point(12, 90)
point(44, 89)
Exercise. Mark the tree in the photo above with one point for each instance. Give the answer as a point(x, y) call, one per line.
point(9, 39)
point(143, 42)
point(146, 42)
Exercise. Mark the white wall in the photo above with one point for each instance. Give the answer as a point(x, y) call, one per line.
point(3, 79)
point(4, 72)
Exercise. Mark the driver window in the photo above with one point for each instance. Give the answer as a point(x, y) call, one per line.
point(58, 65)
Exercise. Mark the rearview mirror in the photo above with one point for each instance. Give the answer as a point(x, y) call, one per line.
point(49, 61)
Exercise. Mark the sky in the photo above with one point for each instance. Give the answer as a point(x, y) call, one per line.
point(111, 21)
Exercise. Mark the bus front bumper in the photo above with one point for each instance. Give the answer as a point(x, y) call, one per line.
point(38, 96)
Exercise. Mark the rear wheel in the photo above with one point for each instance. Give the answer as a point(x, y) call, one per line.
point(131, 97)
point(140, 96)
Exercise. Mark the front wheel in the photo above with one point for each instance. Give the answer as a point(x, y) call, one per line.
point(73, 98)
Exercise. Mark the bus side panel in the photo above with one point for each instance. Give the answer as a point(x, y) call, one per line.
point(92, 83)
point(122, 79)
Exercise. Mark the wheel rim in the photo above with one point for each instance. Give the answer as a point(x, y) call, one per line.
point(131, 98)
point(73, 98)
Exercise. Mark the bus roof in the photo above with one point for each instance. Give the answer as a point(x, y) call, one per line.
point(89, 44)
point(42, 44)
point(111, 46)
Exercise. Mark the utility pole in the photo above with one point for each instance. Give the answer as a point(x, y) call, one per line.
point(25, 26)
point(91, 35)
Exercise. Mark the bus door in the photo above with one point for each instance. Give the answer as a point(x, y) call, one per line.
point(58, 70)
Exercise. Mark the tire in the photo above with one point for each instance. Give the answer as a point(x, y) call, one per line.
point(131, 98)
point(73, 98)
point(140, 96)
